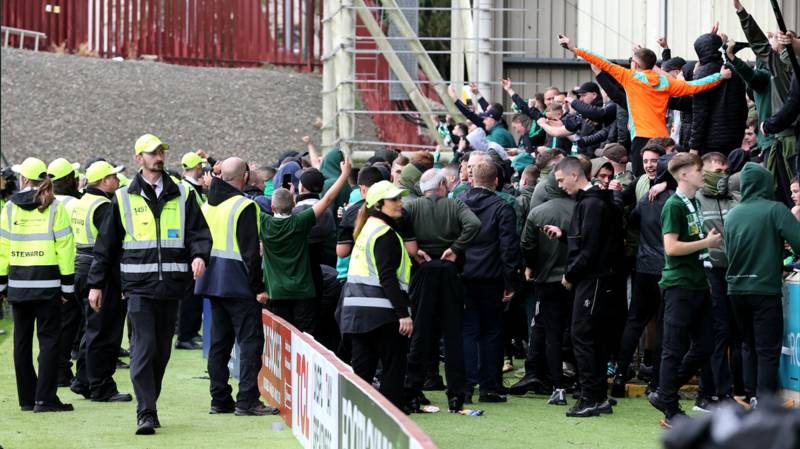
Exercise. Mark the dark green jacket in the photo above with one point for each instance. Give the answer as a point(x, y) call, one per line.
point(524, 202)
point(547, 258)
point(442, 223)
point(759, 79)
point(500, 135)
point(754, 235)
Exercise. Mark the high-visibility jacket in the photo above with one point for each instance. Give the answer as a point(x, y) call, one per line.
point(153, 247)
point(198, 193)
point(68, 201)
point(364, 304)
point(82, 220)
point(37, 253)
point(226, 275)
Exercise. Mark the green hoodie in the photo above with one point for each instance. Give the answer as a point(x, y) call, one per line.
point(754, 234)
point(409, 177)
point(331, 170)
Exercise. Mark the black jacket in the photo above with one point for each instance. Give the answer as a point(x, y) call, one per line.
point(221, 282)
point(495, 252)
point(647, 217)
point(595, 236)
point(719, 114)
point(788, 113)
point(197, 242)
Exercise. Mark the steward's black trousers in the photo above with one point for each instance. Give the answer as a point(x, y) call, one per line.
point(437, 303)
point(97, 357)
point(46, 316)
point(152, 327)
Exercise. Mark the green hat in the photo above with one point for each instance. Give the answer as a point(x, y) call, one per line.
point(31, 168)
point(100, 170)
point(191, 160)
point(149, 143)
point(383, 190)
point(61, 167)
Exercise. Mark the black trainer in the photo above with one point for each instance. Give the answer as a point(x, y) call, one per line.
point(455, 404)
point(187, 345)
point(145, 426)
point(703, 404)
point(583, 409)
point(528, 383)
point(492, 397)
point(257, 409)
point(222, 409)
point(669, 410)
point(558, 397)
point(80, 389)
point(605, 408)
point(116, 397)
point(58, 406)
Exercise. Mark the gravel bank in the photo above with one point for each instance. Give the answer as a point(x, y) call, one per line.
point(69, 106)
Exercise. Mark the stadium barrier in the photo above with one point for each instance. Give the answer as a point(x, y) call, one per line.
point(324, 403)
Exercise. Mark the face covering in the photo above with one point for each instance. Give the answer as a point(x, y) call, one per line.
point(715, 183)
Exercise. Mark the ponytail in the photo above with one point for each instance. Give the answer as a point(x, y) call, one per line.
point(44, 195)
point(361, 219)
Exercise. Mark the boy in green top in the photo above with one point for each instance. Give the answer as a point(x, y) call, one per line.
point(287, 270)
point(688, 331)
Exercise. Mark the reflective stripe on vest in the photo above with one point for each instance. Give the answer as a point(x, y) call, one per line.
point(153, 267)
point(131, 241)
point(363, 288)
point(222, 220)
point(82, 219)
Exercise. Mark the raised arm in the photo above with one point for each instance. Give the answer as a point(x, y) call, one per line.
point(323, 204)
point(533, 113)
point(757, 39)
point(680, 88)
point(471, 116)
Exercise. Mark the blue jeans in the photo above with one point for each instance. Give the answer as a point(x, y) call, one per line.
point(483, 325)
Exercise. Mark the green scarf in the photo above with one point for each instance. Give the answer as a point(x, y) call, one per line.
point(696, 224)
point(715, 184)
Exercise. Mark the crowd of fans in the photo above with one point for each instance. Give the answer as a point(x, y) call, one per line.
point(638, 226)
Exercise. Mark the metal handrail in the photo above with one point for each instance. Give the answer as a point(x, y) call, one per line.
point(22, 34)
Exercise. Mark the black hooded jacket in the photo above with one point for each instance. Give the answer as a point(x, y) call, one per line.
point(719, 115)
point(647, 217)
point(595, 237)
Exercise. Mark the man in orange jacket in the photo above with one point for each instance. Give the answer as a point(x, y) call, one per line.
point(648, 92)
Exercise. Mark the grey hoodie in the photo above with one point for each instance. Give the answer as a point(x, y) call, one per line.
point(547, 258)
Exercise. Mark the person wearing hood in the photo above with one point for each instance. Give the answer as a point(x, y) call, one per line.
point(331, 168)
point(594, 237)
point(37, 266)
point(545, 264)
point(409, 179)
point(647, 93)
point(234, 285)
point(490, 280)
point(646, 293)
point(759, 225)
point(97, 356)
point(64, 176)
point(718, 115)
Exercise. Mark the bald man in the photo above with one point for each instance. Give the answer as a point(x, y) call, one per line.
point(234, 284)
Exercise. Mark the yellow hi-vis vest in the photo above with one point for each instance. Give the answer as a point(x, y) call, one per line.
point(82, 219)
point(37, 252)
point(68, 201)
point(153, 249)
point(364, 303)
point(226, 275)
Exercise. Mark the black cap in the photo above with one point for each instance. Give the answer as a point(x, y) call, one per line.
point(312, 179)
point(492, 113)
point(589, 87)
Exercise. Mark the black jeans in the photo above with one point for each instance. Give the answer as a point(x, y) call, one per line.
point(688, 339)
point(384, 344)
point(97, 356)
point(152, 327)
point(550, 320)
point(235, 320)
point(46, 316)
point(300, 313)
point(190, 318)
point(760, 319)
point(437, 302)
point(645, 305)
point(590, 335)
point(483, 325)
point(718, 381)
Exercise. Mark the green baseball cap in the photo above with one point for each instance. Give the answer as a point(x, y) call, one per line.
point(100, 170)
point(191, 160)
point(383, 190)
point(61, 167)
point(149, 143)
point(31, 168)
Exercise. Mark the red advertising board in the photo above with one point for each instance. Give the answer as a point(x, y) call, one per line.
point(275, 377)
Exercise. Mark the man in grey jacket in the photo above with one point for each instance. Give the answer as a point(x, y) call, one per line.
point(444, 227)
point(545, 265)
